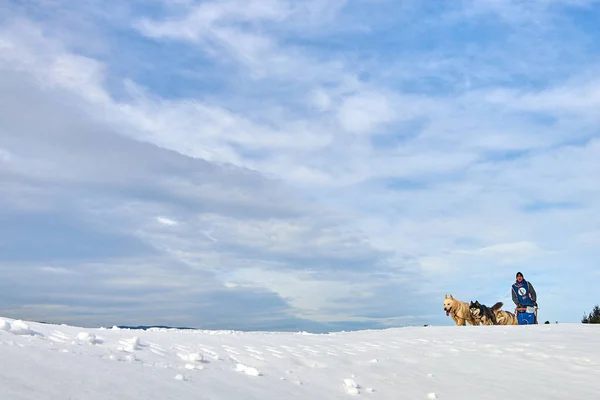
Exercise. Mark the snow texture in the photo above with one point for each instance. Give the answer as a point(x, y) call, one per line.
point(87, 337)
point(4, 325)
point(547, 362)
point(20, 328)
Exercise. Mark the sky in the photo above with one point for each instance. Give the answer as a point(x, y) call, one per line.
point(296, 165)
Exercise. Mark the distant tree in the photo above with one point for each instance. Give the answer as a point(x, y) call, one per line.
point(593, 317)
point(547, 322)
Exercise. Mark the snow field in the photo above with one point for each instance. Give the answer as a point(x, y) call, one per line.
point(63, 362)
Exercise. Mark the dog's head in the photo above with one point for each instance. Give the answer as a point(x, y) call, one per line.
point(475, 308)
point(448, 303)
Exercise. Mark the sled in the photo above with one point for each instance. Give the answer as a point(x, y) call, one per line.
point(526, 315)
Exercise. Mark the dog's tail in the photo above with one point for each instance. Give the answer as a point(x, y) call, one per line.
point(497, 306)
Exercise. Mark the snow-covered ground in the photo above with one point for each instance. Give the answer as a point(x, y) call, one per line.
point(39, 361)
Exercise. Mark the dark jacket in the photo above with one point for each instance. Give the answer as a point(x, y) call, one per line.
point(530, 289)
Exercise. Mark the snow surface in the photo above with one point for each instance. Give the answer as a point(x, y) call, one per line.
point(42, 361)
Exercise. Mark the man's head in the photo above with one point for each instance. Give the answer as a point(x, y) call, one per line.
point(519, 277)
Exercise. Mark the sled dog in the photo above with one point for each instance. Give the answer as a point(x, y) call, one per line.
point(506, 318)
point(459, 311)
point(486, 315)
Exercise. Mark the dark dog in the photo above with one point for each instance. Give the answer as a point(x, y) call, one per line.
point(483, 313)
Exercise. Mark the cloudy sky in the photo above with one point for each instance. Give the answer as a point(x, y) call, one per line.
point(296, 164)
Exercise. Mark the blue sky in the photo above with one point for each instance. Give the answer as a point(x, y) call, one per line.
point(300, 165)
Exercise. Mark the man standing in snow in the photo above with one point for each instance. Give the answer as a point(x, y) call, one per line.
point(523, 293)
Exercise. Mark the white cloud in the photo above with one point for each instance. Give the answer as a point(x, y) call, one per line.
point(201, 18)
point(443, 160)
point(55, 270)
point(580, 98)
point(365, 112)
point(167, 221)
point(222, 28)
point(83, 175)
point(74, 72)
point(506, 252)
point(321, 99)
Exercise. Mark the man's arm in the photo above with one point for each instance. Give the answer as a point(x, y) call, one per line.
point(532, 292)
point(514, 297)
